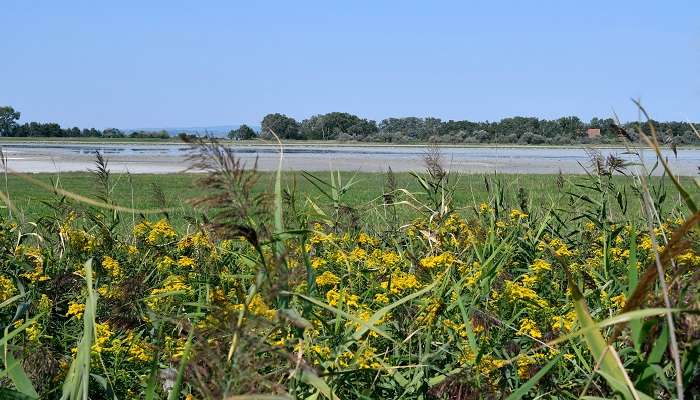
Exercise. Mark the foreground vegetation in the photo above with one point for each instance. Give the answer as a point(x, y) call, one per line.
point(546, 287)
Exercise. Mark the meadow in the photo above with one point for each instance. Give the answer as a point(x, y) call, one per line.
point(35, 198)
point(236, 284)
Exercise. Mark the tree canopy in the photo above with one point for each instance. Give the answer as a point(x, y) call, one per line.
point(330, 126)
point(8, 120)
point(283, 126)
point(243, 132)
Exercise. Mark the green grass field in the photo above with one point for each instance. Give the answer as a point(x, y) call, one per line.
point(138, 191)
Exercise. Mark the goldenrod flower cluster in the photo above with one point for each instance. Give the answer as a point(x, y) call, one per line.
point(472, 291)
point(7, 288)
point(439, 261)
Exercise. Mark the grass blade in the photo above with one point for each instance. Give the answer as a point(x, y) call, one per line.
point(320, 385)
point(76, 385)
point(599, 348)
point(19, 378)
point(359, 321)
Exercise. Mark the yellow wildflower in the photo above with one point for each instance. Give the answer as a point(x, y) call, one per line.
point(175, 347)
point(645, 243)
point(7, 288)
point(619, 301)
point(517, 215)
point(400, 282)
point(171, 286)
point(199, 240)
point(529, 280)
point(619, 254)
point(358, 254)
point(185, 262)
point(161, 232)
point(165, 264)
point(139, 350)
point(33, 254)
point(317, 262)
point(564, 323)
point(33, 332)
point(76, 310)
point(37, 275)
point(141, 228)
point(431, 312)
point(365, 239)
point(528, 327)
point(343, 359)
point(540, 265)
point(560, 248)
point(390, 258)
point(517, 292)
point(381, 298)
point(442, 260)
point(335, 297)
point(102, 337)
point(112, 267)
point(366, 359)
point(327, 279)
point(322, 351)
point(258, 307)
point(45, 303)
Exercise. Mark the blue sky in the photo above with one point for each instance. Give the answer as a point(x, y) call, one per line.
point(135, 64)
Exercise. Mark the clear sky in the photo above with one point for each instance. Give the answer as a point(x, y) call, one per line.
point(132, 64)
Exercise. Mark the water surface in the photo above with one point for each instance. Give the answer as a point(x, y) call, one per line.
point(167, 158)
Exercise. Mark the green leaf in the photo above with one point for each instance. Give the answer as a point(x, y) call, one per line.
point(11, 300)
point(175, 392)
point(471, 338)
point(656, 354)
point(320, 385)
point(359, 321)
point(633, 278)
point(626, 317)
point(621, 387)
point(77, 380)
point(9, 394)
point(601, 351)
point(19, 378)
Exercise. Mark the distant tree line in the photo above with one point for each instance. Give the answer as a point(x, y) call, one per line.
point(10, 128)
point(515, 130)
point(342, 126)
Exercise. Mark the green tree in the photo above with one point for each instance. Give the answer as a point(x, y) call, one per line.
point(112, 133)
point(329, 126)
point(8, 120)
point(243, 132)
point(283, 126)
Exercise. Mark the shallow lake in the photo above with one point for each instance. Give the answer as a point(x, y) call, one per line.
point(165, 158)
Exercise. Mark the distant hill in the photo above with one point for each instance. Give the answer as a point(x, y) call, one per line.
point(215, 130)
